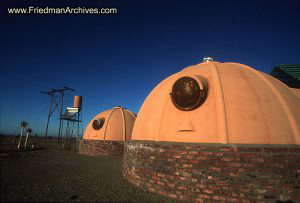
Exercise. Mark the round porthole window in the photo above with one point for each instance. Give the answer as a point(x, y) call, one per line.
point(98, 123)
point(186, 94)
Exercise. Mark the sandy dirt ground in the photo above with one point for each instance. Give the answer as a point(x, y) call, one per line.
point(49, 174)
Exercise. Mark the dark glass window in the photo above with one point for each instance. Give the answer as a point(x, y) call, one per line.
point(186, 94)
point(98, 123)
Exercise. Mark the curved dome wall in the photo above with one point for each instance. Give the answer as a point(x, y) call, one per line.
point(240, 105)
point(114, 124)
point(106, 132)
point(217, 132)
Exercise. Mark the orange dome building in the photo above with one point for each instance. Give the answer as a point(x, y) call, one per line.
point(107, 131)
point(217, 131)
point(229, 94)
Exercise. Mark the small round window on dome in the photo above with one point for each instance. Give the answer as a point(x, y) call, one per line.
point(98, 123)
point(186, 94)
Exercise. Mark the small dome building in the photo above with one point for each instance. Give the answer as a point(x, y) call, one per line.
point(107, 132)
point(217, 132)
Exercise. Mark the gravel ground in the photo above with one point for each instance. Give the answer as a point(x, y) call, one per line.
point(53, 175)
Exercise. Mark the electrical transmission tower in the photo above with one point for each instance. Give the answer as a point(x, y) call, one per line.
point(57, 97)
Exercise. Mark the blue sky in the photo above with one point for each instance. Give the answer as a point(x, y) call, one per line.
point(114, 60)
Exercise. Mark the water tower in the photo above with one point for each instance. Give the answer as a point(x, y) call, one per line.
point(73, 119)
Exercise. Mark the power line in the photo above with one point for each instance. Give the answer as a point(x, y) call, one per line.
point(53, 94)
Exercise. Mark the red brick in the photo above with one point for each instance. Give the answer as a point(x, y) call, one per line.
point(178, 192)
point(175, 146)
point(189, 147)
point(220, 163)
point(177, 156)
point(277, 167)
point(212, 178)
point(237, 159)
point(249, 155)
point(168, 176)
point(226, 159)
point(294, 150)
point(235, 174)
point(215, 168)
point(201, 158)
point(194, 152)
point(187, 166)
point(172, 195)
point(152, 189)
point(264, 170)
point(232, 199)
point(161, 158)
point(161, 175)
point(186, 174)
point(208, 191)
point(155, 178)
point(261, 191)
point(194, 161)
point(218, 153)
point(199, 148)
point(198, 200)
point(184, 197)
point(242, 170)
point(172, 151)
point(162, 150)
point(201, 186)
point(205, 153)
point(183, 152)
point(182, 187)
point(245, 190)
point(214, 187)
point(161, 192)
point(182, 179)
point(219, 198)
point(161, 183)
point(183, 160)
point(203, 196)
point(223, 183)
point(171, 185)
point(226, 149)
point(235, 164)
point(194, 180)
point(151, 181)
point(245, 201)
point(257, 160)
point(248, 165)
point(250, 149)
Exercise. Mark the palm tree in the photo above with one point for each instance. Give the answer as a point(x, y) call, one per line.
point(29, 131)
point(23, 124)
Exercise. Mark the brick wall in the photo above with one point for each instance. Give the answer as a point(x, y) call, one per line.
point(101, 147)
point(215, 172)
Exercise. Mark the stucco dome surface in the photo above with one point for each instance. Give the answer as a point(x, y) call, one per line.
point(117, 126)
point(242, 105)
